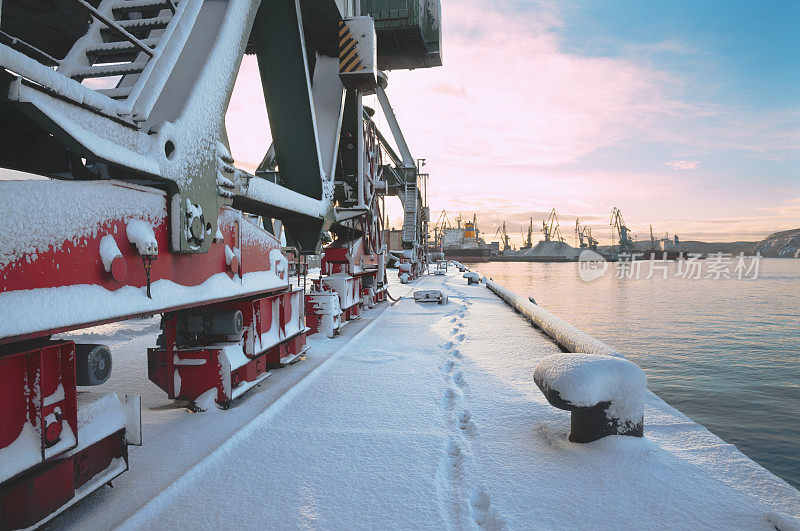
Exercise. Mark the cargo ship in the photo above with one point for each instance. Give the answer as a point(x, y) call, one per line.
point(665, 248)
point(465, 243)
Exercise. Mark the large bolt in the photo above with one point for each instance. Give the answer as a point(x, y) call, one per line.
point(197, 229)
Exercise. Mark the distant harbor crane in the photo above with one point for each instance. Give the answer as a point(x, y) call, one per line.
point(504, 237)
point(583, 236)
point(528, 241)
point(550, 227)
point(590, 239)
point(623, 233)
point(579, 234)
point(438, 230)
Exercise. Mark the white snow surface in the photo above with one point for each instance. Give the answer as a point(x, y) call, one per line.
point(140, 233)
point(278, 196)
point(36, 216)
point(66, 306)
point(416, 416)
point(562, 332)
point(24, 452)
point(588, 379)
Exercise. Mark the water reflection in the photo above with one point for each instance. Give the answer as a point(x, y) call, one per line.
point(723, 351)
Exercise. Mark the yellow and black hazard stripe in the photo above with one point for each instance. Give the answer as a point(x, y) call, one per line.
point(349, 61)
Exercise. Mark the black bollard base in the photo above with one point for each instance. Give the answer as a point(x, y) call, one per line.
point(591, 424)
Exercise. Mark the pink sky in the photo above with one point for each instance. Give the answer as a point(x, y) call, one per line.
point(513, 125)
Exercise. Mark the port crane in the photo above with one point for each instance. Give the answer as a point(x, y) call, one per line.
point(528, 240)
point(504, 237)
point(591, 240)
point(145, 211)
point(622, 232)
point(550, 227)
point(579, 234)
point(583, 236)
point(442, 224)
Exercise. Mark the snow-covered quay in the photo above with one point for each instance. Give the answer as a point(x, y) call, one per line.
point(417, 416)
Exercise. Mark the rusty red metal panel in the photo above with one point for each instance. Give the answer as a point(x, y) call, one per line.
point(98, 457)
point(36, 495)
point(78, 262)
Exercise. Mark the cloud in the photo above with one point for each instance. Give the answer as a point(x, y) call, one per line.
point(513, 124)
point(528, 100)
point(682, 164)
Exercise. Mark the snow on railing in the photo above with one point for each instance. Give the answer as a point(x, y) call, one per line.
point(566, 335)
point(603, 391)
point(275, 195)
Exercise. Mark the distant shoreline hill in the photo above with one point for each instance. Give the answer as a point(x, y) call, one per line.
point(734, 248)
point(784, 244)
point(698, 247)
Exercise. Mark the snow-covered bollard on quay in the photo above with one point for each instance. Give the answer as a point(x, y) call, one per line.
point(472, 277)
point(604, 394)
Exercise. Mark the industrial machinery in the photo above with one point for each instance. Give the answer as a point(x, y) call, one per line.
point(439, 228)
point(583, 236)
point(622, 232)
point(120, 104)
point(591, 240)
point(505, 239)
point(550, 228)
point(528, 239)
point(664, 248)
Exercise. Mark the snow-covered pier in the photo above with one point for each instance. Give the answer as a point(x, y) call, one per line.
point(418, 415)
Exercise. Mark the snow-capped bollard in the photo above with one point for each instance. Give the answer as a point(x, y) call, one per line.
point(604, 394)
point(472, 278)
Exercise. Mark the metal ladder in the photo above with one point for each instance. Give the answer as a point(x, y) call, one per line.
point(119, 44)
point(410, 213)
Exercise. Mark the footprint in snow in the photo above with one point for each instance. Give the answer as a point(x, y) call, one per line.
point(454, 454)
point(448, 345)
point(479, 500)
point(458, 379)
point(454, 319)
point(460, 337)
point(448, 366)
point(482, 511)
point(454, 331)
point(466, 424)
point(450, 398)
point(456, 353)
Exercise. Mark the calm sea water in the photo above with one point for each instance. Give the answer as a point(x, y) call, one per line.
point(726, 352)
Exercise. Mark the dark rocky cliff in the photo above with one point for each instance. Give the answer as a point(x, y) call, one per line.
point(785, 244)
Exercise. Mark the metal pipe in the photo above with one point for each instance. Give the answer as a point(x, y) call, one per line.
point(12, 41)
point(388, 112)
point(361, 154)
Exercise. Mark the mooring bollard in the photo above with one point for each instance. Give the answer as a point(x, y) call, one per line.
point(604, 394)
point(472, 278)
